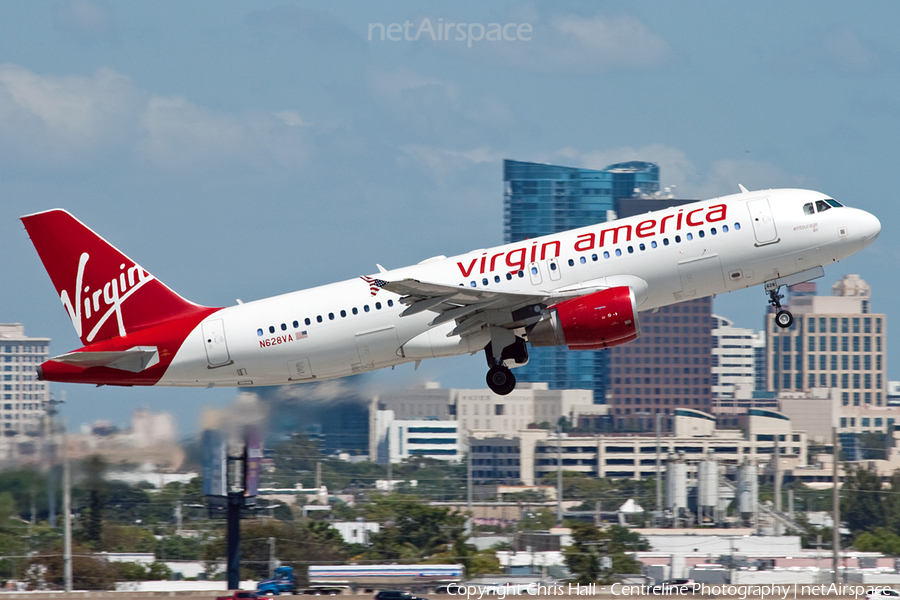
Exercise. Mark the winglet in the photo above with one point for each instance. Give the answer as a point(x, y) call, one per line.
point(380, 268)
point(743, 189)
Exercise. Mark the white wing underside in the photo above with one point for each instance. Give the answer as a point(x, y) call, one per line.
point(472, 308)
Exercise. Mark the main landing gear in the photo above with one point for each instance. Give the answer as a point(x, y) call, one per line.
point(500, 379)
point(783, 318)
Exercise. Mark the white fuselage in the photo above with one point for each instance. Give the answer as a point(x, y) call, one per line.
point(666, 257)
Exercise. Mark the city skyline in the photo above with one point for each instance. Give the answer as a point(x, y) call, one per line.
point(243, 152)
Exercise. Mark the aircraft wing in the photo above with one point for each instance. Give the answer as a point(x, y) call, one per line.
point(471, 308)
point(474, 308)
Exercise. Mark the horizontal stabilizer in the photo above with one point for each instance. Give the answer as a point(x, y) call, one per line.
point(133, 360)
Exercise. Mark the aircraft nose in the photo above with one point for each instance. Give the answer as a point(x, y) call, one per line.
point(869, 227)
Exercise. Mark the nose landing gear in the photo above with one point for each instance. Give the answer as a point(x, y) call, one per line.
point(783, 318)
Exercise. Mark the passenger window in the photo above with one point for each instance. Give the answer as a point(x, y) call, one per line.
point(284, 326)
point(378, 306)
point(521, 273)
point(331, 316)
point(509, 276)
point(571, 264)
point(737, 226)
point(473, 284)
point(653, 244)
point(390, 302)
point(354, 310)
point(665, 241)
point(594, 257)
point(808, 209)
point(343, 313)
point(583, 260)
point(689, 236)
point(642, 247)
point(496, 279)
point(484, 281)
point(606, 254)
point(724, 228)
point(822, 206)
point(307, 321)
point(271, 329)
point(366, 307)
point(618, 252)
point(677, 239)
point(534, 270)
point(318, 318)
point(259, 332)
point(712, 231)
point(296, 324)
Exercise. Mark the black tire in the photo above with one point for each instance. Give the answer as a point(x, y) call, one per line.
point(784, 319)
point(501, 380)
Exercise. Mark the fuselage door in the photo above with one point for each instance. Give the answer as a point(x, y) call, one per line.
point(214, 342)
point(534, 271)
point(763, 223)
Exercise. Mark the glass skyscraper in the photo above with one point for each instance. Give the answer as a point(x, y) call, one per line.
point(542, 199)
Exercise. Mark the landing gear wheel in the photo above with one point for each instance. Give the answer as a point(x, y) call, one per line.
point(784, 319)
point(501, 380)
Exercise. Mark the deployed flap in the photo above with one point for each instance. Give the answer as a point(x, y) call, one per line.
point(133, 360)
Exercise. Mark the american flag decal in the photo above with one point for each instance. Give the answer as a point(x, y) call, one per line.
point(374, 284)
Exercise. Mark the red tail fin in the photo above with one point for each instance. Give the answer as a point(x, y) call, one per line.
point(105, 293)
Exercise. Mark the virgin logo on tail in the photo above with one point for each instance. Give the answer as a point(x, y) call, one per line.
point(106, 299)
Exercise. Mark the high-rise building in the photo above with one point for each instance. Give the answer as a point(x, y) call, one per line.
point(835, 342)
point(542, 199)
point(667, 368)
point(735, 352)
point(23, 399)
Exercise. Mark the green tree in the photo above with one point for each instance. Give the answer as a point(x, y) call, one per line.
point(862, 504)
point(92, 516)
point(411, 529)
point(879, 540)
point(590, 544)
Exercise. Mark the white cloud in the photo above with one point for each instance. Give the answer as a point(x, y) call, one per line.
point(60, 120)
point(291, 118)
point(444, 163)
point(603, 43)
point(685, 179)
point(838, 50)
point(61, 116)
point(572, 45)
point(395, 83)
point(84, 19)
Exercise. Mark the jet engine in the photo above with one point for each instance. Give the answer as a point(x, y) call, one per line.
point(599, 320)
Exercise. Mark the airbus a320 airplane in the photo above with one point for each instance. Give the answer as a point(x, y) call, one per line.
point(582, 289)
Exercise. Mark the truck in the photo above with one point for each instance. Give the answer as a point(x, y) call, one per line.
point(386, 577)
point(283, 582)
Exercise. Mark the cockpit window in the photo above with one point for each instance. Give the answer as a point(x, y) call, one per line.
point(808, 209)
point(833, 203)
point(822, 206)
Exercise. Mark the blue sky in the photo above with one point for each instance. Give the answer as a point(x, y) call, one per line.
point(242, 150)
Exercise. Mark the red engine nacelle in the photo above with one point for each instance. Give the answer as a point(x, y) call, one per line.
point(592, 322)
